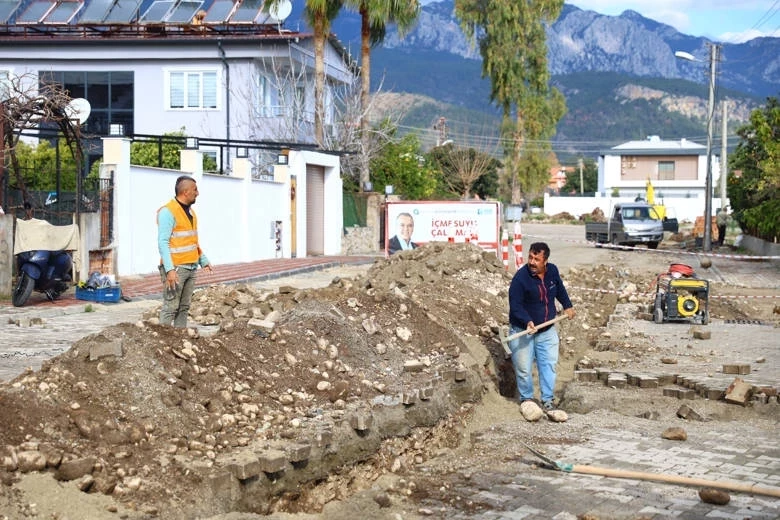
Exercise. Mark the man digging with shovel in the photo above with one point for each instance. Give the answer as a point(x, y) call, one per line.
point(532, 295)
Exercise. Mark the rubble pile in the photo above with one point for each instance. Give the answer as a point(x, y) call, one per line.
point(146, 413)
point(274, 392)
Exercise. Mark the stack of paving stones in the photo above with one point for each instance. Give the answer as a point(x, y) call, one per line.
point(725, 386)
point(729, 385)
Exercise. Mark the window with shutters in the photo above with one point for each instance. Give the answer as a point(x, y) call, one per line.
point(192, 90)
point(665, 170)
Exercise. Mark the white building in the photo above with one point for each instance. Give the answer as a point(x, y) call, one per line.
point(224, 71)
point(676, 169)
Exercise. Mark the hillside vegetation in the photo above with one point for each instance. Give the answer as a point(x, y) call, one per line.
point(604, 109)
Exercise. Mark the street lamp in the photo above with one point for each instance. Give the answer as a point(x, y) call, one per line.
point(710, 113)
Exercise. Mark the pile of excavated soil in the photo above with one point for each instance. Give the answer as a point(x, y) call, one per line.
point(137, 420)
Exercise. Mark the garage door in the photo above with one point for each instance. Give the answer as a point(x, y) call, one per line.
point(315, 210)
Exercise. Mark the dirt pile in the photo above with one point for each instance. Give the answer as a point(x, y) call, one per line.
point(143, 413)
point(274, 392)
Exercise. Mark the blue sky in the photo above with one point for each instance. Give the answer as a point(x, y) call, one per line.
point(730, 21)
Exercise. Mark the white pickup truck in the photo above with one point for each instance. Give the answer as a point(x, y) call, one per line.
point(630, 224)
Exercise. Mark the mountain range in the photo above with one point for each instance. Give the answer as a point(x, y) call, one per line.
point(619, 74)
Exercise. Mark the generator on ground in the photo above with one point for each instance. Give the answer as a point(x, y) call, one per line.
point(681, 296)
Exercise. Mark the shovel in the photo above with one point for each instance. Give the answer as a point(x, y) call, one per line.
point(506, 339)
point(657, 477)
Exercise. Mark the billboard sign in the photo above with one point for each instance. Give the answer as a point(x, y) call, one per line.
point(411, 224)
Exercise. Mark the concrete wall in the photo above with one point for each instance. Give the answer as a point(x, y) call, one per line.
point(760, 247)
point(235, 213)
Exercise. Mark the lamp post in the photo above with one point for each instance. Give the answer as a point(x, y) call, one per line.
point(710, 116)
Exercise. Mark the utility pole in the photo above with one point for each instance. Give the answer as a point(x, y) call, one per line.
point(708, 181)
point(441, 126)
point(724, 163)
point(582, 184)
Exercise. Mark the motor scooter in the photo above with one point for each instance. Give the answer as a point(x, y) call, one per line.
point(48, 272)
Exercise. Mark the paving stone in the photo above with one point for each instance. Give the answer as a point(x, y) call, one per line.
point(616, 380)
point(410, 397)
point(739, 369)
point(648, 382)
point(603, 373)
point(671, 391)
point(272, 461)
point(361, 421)
point(243, 465)
point(298, 452)
point(105, 349)
point(738, 392)
point(586, 375)
point(713, 394)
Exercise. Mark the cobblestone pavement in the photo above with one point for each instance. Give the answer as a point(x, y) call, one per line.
point(527, 492)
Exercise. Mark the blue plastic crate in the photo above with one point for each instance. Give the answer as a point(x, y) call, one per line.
point(103, 295)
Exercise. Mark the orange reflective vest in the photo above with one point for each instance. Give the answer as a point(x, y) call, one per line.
point(184, 238)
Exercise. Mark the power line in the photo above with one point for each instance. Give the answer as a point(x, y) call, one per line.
point(540, 144)
point(767, 15)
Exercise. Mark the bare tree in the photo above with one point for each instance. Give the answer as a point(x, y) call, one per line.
point(25, 105)
point(275, 91)
point(464, 159)
point(358, 147)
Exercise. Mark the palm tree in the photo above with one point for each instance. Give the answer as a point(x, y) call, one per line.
point(375, 15)
point(320, 14)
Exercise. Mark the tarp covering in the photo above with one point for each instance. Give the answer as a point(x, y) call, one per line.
point(35, 235)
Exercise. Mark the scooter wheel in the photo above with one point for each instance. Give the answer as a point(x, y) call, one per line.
point(23, 290)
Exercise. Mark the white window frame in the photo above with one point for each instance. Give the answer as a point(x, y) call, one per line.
point(193, 101)
point(267, 97)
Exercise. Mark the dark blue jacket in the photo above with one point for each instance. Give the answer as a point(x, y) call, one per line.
point(532, 300)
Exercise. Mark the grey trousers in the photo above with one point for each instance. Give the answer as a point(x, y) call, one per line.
point(176, 304)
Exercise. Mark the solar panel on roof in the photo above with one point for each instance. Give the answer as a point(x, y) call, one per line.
point(95, 11)
point(247, 11)
point(184, 11)
point(123, 11)
point(35, 11)
point(63, 12)
point(219, 11)
point(157, 11)
point(6, 9)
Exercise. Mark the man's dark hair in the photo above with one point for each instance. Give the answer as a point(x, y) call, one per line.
point(181, 181)
point(405, 214)
point(541, 247)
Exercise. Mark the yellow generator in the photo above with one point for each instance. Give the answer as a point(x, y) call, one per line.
point(681, 296)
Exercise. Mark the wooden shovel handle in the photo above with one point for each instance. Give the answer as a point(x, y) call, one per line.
point(672, 479)
point(506, 340)
point(540, 326)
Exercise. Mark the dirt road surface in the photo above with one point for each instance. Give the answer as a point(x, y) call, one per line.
point(137, 421)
